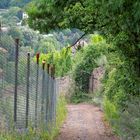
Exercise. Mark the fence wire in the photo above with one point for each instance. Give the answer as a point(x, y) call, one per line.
point(28, 93)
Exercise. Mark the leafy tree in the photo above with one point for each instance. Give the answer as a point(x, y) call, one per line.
point(50, 16)
point(4, 4)
point(15, 33)
point(118, 20)
point(10, 16)
point(19, 3)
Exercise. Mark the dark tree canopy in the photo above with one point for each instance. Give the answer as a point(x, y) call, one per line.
point(118, 20)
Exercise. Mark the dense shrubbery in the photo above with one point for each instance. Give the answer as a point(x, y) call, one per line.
point(87, 60)
point(130, 128)
point(61, 59)
point(120, 87)
point(125, 123)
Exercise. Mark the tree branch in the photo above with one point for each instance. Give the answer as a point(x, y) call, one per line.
point(77, 41)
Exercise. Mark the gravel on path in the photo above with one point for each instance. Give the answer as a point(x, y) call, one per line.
point(85, 122)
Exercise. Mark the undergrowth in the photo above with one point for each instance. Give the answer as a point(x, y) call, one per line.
point(80, 97)
point(125, 123)
point(39, 133)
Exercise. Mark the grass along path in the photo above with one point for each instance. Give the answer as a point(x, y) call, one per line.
point(85, 122)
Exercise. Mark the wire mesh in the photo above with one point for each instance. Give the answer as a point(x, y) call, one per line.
point(27, 91)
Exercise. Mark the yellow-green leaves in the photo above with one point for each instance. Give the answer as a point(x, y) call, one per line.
point(96, 38)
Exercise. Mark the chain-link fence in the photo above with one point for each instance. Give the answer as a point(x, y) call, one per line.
point(27, 89)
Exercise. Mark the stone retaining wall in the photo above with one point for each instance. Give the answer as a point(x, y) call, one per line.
point(64, 85)
point(95, 83)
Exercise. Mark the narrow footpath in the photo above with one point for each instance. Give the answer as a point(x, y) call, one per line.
point(85, 122)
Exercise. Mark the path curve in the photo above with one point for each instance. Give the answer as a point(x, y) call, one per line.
point(85, 122)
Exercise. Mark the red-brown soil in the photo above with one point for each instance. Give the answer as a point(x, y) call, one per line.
point(85, 122)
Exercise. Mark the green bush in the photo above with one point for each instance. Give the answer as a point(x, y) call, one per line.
point(125, 123)
point(61, 59)
point(111, 113)
point(80, 97)
point(131, 128)
point(121, 88)
point(89, 60)
point(121, 81)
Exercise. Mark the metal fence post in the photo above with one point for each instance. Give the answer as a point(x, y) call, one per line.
point(37, 83)
point(43, 87)
point(28, 84)
point(2, 63)
point(52, 94)
point(54, 90)
point(16, 78)
point(47, 98)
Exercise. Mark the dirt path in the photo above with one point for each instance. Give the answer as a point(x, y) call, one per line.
point(85, 122)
